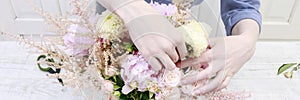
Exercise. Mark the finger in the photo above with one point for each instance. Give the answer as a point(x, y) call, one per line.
point(204, 58)
point(189, 79)
point(166, 61)
point(215, 65)
point(182, 50)
point(224, 84)
point(173, 54)
point(207, 56)
point(188, 62)
point(211, 85)
point(154, 62)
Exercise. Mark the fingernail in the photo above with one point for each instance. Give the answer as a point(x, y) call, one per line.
point(175, 60)
point(200, 91)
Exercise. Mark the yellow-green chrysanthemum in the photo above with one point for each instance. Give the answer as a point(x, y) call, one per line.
point(195, 36)
point(110, 23)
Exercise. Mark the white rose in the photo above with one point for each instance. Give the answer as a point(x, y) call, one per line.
point(172, 78)
point(107, 86)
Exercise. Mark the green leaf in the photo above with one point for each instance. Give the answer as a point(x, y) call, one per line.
point(122, 97)
point(117, 93)
point(130, 47)
point(151, 95)
point(285, 67)
point(116, 87)
point(145, 95)
point(115, 78)
point(141, 96)
point(51, 60)
point(39, 65)
point(106, 77)
point(297, 67)
point(119, 81)
point(41, 57)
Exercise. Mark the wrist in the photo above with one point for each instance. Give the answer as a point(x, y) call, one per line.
point(134, 10)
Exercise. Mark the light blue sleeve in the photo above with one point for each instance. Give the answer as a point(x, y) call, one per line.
point(232, 11)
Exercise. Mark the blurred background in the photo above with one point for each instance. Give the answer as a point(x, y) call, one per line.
point(281, 19)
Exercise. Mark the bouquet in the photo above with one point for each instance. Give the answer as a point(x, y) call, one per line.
point(94, 52)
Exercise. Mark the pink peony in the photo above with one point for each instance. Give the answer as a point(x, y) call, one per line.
point(137, 73)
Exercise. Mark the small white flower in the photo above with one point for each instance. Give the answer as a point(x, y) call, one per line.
point(152, 87)
point(111, 71)
point(172, 78)
point(166, 10)
point(107, 86)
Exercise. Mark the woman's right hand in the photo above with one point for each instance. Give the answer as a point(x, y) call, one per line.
point(152, 33)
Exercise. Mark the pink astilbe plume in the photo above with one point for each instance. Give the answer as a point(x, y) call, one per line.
point(165, 9)
point(227, 95)
point(77, 40)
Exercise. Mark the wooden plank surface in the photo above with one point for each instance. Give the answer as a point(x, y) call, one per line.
point(21, 80)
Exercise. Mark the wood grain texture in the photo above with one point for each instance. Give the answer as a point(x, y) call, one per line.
point(21, 80)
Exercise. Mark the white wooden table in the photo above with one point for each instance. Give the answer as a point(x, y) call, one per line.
point(20, 78)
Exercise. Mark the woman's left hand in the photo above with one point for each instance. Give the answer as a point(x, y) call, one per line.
point(226, 57)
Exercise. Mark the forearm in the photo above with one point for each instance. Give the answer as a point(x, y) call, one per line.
point(129, 9)
point(247, 29)
point(136, 9)
point(233, 11)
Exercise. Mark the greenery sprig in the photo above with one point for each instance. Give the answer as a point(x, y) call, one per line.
point(288, 69)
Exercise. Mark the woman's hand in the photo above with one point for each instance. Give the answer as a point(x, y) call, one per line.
point(154, 36)
point(226, 57)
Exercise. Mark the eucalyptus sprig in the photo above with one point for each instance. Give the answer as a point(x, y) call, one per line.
point(288, 69)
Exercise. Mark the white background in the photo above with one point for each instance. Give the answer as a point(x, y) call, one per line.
point(281, 18)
